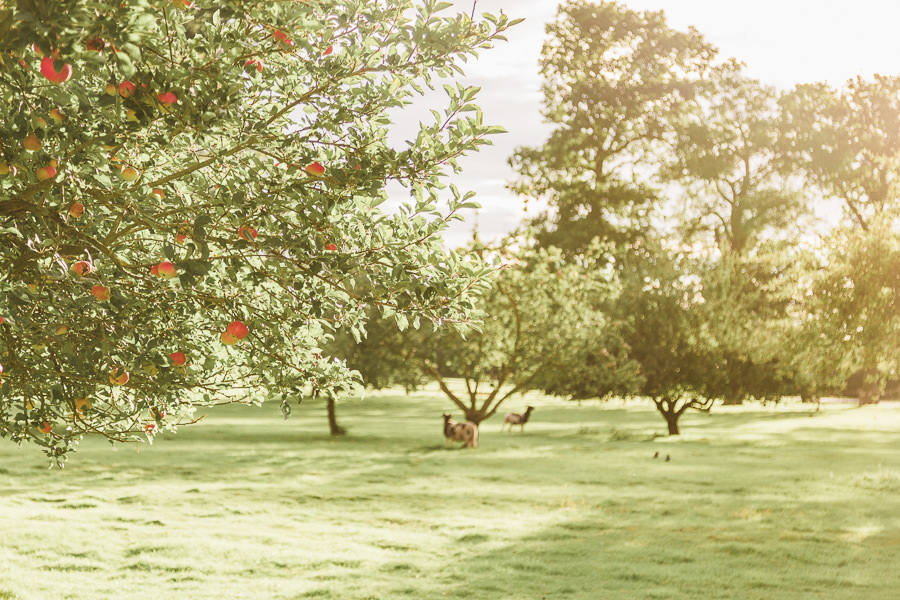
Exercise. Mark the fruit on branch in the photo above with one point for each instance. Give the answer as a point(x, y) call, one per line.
point(6, 169)
point(160, 194)
point(47, 172)
point(284, 41)
point(48, 70)
point(100, 292)
point(315, 168)
point(167, 98)
point(331, 247)
point(95, 44)
point(118, 376)
point(57, 115)
point(179, 358)
point(228, 339)
point(253, 64)
point(126, 89)
point(150, 427)
point(166, 270)
point(247, 233)
point(328, 51)
point(45, 427)
point(76, 210)
point(82, 268)
point(130, 174)
point(238, 329)
point(110, 89)
point(32, 143)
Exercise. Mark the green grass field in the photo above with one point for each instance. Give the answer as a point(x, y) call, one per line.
point(757, 502)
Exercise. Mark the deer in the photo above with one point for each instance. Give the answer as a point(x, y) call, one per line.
point(517, 419)
point(460, 432)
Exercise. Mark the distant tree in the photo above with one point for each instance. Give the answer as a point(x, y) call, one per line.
point(847, 143)
point(727, 159)
point(175, 177)
point(851, 311)
point(614, 80)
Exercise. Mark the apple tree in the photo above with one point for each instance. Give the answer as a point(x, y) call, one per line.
point(189, 200)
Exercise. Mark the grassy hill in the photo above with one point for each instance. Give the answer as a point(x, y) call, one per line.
point(756, 502)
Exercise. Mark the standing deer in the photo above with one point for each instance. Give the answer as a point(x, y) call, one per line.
point(517, 419)
point(460, 432)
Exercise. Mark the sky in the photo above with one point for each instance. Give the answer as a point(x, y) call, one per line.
point(781, 42)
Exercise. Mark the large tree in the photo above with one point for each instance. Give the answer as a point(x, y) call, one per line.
point(614, 80)
point(176, 176)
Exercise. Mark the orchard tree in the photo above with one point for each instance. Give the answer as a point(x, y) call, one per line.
point(614, 80)
point(189, 200)
point(664, 330)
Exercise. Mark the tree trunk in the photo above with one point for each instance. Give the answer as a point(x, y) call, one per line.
point(672, 421)
point(869, 389)
point(332, 419)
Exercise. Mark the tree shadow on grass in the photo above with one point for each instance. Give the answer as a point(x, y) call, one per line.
point(619, 558)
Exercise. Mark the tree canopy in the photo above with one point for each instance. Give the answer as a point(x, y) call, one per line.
point(189, 200)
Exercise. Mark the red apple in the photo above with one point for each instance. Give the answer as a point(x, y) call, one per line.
point(228, 339)
point(126, 89)
point(130, 174)
point(100, 292)
point(167, 98)
point(47, 172)
point(160, 194)
point(57, 115)
point(37, 49)
point(178, 358)
point(282, 38)
point(119, 378)
point(238, 329)
point(331, 247)
point(328, 50)
point(154, 270)
point(76, 210)
point(247, 233)
point(32, 143)
point(95, 44)
point(167, 270)
point(48, 70)
point(150, 427)
point(82, 268)
point(254, 64)
point(315, 168)
point(110, 89)
point(179, 238)
point(45, 427)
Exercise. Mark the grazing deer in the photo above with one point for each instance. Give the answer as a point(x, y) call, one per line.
point(517, 419)
point(461, 432)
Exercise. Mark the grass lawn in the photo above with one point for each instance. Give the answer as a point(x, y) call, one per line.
point(756, 503)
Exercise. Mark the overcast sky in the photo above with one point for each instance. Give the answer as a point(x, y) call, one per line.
point(782, 42)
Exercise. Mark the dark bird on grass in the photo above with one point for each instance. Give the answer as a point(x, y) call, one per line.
point(667, 458)
point(656, 455)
